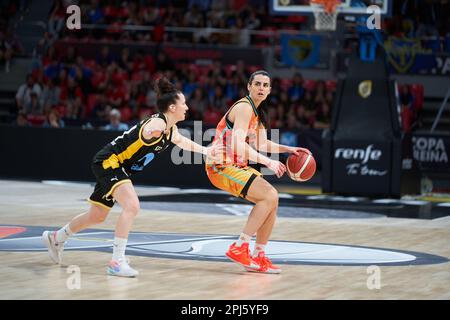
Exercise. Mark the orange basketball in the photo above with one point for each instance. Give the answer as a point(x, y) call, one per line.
point(301, 168)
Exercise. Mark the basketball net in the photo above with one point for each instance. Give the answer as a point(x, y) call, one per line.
point(325, 14)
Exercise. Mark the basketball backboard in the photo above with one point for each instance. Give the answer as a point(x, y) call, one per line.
point(348, 7)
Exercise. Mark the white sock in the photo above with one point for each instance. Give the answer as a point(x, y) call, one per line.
point(258, 248)
point(63, 233)
point(119, 248)
point(243, 238)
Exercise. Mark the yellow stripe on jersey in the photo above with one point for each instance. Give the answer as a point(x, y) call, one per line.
point(115, 160)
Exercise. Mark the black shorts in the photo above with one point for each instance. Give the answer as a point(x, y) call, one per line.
point(107, 181)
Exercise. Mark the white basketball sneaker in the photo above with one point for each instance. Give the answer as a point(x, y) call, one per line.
point(121, 268)
point(55, 249)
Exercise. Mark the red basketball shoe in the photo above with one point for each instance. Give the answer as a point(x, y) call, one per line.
point(242, 256)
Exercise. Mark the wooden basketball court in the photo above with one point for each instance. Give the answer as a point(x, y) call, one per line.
point(31, 275)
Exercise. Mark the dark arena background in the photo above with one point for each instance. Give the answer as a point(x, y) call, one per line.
point(369, 97)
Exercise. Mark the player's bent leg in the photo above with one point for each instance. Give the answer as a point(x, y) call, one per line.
point(127, 198)
point(55, 240)
point(265, 197)
point(265, 230)
point(96, 215)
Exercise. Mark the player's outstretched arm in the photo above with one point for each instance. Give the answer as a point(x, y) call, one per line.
point(266, 145)
point(212, 152)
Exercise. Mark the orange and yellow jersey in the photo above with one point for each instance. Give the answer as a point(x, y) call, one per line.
point(224, 131)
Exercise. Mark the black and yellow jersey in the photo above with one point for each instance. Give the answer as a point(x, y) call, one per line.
point(131, 150)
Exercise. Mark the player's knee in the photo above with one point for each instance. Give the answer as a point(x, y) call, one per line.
point(132, 208)
point(98, 218)
point(98, 215)
point(272, 197)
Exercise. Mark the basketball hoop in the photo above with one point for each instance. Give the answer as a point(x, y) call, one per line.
point(325, 14)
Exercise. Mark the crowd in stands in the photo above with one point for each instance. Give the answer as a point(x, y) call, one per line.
point(86, 92)
point(427, 20)
point(9, 44)
point(116, 91)
point(236, 18)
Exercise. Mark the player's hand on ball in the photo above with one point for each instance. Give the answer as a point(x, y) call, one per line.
point(298, 150)
point(277, 167)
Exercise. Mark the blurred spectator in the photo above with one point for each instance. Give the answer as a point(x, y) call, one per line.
point(426, 19)
point(218, 100)
point(9, 45)
point(320, 92)
point(190, 85)
point(50, 95)
point(115, 96)
point(275, 90)
point(292, 123)
point(202, 5)
point(193, 17)
point(296, 90)
point(136, 100)
point(57, 18)
point(303, 120)
point(23, 96)
point(211, 116)
point(323, 116)
point(241, 33)
point(95, 13)
point(164, 63)
point(407, 110)
point(281, 115)
point(82, 76)
point(309, 104)
point(41, 50)
point(71, 96)
point(21, 120)
point(197, 104)
point(105, 58)
point(33, 106)
point(53, 120)
point(150, 96)
point(125, 62)
point(70, 58)
point(241, 71)
point(114, 122)
point(233, 87)
point(75, 109)
point(100, 112)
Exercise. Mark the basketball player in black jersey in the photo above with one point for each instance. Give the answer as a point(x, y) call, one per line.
point(115, 163)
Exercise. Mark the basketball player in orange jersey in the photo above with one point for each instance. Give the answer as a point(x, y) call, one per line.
point(115, 163)
point(242, 131)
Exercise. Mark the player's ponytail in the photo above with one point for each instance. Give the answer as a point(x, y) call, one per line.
point(167, 94)
point(262, 110)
